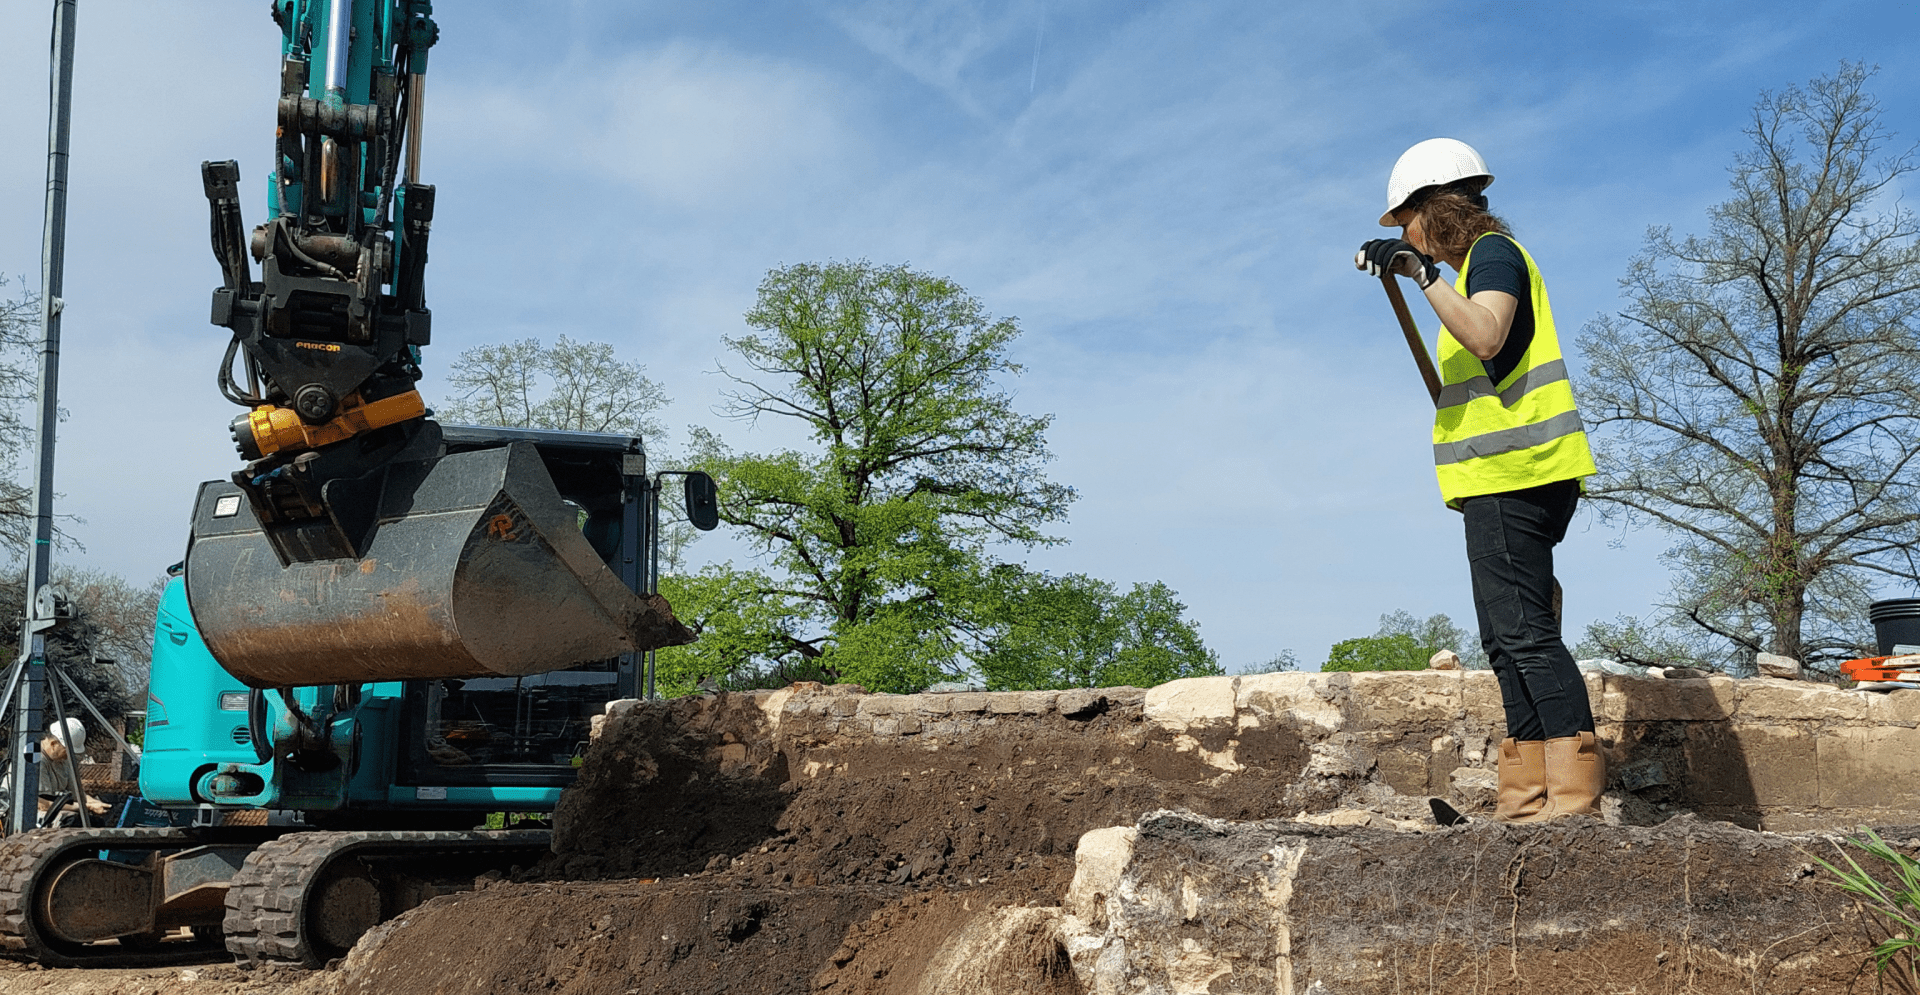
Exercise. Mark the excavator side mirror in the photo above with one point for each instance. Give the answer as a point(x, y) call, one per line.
point(703, 501)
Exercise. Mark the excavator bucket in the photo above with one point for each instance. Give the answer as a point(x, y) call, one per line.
point(476, 568)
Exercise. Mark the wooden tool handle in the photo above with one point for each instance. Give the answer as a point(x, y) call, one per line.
point(1420, 357)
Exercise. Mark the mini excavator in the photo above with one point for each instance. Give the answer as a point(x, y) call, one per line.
point(386, 632)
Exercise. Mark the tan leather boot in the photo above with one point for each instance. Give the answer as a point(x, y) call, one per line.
point(1523, 781)
point(1576, 775)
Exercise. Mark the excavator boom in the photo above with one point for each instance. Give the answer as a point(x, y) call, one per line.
point(354, 545)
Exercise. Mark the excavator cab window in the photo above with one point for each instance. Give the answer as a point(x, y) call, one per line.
point(503, 730)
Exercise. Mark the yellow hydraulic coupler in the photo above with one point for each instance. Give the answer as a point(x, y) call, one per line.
point(268, 429)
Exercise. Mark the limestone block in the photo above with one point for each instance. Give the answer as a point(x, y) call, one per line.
point(933, 704)
point(881, 704)
point(1079, 703)
point(1098, 862)
point(987, 950)
point(1338, 757)
point(1288, 700)
point(1405, 698)
point(968, 701)
point(1891, 707)
point(1782, 764)
point(1734, 770)
point(1444, 660)
point(1480, 698)
point(1407, 771)
point(1005, 702)
point(1774, 665)
point(1649, 699)
point(1473, 789)
point(1869, 767)
point(1775, 700)
point(1192, 703)
point(1037, 702)
point(1206, 906)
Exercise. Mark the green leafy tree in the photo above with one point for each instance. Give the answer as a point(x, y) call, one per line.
point(1759, 397)
point(1078, 631)
point(1391, 652)
point(743, 623)
point(1404, 642)
point(877, 534)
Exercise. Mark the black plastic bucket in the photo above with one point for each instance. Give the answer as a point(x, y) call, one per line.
point(1896, 622)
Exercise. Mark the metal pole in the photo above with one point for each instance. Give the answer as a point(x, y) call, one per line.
point(653, 560)
point(53, 249)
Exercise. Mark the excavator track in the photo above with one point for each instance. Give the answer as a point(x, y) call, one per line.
point(28, 862)
point(305, 897)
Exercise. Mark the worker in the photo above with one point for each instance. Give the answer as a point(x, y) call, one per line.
point(1510, 452)
point(55, 778)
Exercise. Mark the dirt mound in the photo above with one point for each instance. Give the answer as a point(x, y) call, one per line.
point(693, 935)
point(706, 784)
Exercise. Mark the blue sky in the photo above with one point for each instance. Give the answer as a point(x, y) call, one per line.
point(1166, 196)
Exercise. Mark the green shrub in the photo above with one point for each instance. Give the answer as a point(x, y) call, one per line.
point(1896, 901)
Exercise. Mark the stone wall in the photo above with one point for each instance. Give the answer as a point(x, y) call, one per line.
point(1760, 753)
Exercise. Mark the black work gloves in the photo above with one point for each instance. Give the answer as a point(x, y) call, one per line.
point(1380, 256)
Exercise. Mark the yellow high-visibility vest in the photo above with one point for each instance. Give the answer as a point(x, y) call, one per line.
point(1489, 438)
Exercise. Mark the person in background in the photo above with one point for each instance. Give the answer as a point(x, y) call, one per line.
point(55, 780)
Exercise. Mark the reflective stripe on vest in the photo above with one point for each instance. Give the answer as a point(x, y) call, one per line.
point(1492, 438)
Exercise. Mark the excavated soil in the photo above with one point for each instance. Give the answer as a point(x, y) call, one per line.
point(775, 881)
point(203, 979)
point(1001, 806)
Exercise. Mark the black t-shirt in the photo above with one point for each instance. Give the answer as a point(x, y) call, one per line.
point(1498, 265)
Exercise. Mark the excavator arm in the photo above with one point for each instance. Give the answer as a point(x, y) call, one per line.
point(356, 544)
point(330, 332)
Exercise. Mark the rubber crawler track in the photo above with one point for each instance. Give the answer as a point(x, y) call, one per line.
point(267, 899)
point(26, 860)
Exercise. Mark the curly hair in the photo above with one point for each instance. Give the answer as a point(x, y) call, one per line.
point(1453, 216)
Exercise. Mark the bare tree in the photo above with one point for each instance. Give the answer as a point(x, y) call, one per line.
point(580, 386)
point(1759, 397)
point(19, 331)
point(577, 386)
point(118, 616)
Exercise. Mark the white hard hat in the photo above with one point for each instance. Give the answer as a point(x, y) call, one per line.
point(71, 734)
point(1433, 163)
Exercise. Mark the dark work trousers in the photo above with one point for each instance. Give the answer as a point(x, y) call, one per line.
point(1510, 540)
